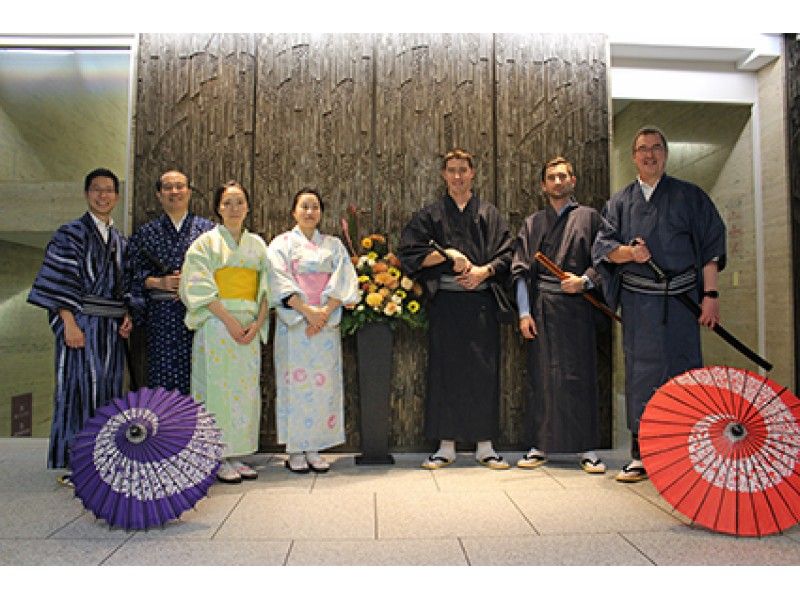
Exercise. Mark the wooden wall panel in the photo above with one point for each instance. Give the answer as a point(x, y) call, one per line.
point(314, 124)
point(194, 111)
point(366, 118)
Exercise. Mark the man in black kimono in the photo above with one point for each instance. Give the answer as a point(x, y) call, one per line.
point(674, 223)
point(562, 403)
point(464, 337)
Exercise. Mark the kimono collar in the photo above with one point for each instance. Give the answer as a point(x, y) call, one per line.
point(316, 238)
point(101, 226)
point(648, 190)
point(568, 207)
point(471, 207)
point(179, 223)
point(226, 234)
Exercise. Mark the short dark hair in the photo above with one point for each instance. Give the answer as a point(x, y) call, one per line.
point(558, 160)
point(457, 154)
point(179, 171)
point(220, 191)
point(98, 172)
point(309, 191)
point(649, 130)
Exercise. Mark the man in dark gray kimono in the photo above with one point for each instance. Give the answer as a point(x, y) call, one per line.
point(463, 394)
point(674, 223)
point(562, 403)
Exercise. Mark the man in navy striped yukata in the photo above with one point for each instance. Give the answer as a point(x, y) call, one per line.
point(81, 286)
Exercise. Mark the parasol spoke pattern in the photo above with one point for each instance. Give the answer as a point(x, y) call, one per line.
point(722, 445)
point(143, 460)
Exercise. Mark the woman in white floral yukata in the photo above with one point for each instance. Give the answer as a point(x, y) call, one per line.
point(311, 277)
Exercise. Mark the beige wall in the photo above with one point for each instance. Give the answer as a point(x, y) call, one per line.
point(779, 325)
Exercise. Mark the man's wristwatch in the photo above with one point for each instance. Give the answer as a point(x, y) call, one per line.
point(713, 294)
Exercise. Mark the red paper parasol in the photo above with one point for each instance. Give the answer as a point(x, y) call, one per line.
point(722, 445)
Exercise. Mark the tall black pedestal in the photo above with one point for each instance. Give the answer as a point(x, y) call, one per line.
point(374, 347)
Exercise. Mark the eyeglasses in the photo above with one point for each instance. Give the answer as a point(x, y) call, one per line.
point(655, 149)
point(102, 190)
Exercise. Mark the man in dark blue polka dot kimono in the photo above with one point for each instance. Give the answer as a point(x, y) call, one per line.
point(156, 251)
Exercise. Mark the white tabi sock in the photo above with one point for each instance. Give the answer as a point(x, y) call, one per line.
point(484, 449)
point(447, 450)
point(534, 452)
point(297, 461)
point(591, 455)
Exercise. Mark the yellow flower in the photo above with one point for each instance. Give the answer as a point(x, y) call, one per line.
point(363, 278)
point(413, 306)
point(395, 272)
point(400, 293)
point(374, 299)
point(372, 255)
point(366, 243)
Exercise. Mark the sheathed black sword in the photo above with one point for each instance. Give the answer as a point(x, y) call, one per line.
point(695, 308)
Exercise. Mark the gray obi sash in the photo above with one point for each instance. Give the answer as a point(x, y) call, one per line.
point(103, 307)
point(159, 295)
point(677, 285)
point(549, 284)
point(670, 286)
point(447, 282)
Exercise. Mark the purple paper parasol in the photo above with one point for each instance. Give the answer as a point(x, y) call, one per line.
point(143, 460)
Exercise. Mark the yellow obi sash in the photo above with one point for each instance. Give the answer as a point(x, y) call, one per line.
point(237, 283)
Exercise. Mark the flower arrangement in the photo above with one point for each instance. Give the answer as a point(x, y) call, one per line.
point(386, 293)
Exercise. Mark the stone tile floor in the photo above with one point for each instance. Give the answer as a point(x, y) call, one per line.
point(377, 515)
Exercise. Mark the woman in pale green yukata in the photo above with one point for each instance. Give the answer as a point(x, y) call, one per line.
point(311, 276)
point(224, 287)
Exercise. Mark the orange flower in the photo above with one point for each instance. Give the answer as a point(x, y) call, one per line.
point(378, 238)
point(417, 289)
point(384, 292)
point(383, 278)
point(390, 309)
point(393, 260)
point(354, 260)
point(379, 267)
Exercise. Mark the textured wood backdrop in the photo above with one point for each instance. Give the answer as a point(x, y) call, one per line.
point(366, 118)
point(793, 113)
